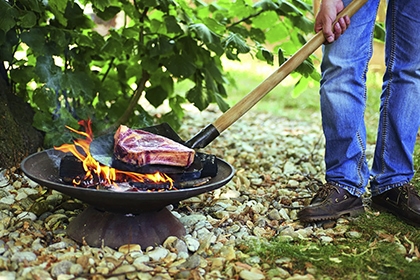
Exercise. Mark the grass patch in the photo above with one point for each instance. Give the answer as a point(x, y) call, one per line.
point(352, 260)
point(386, 249)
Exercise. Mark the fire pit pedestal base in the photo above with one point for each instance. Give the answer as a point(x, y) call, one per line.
point(98, 228)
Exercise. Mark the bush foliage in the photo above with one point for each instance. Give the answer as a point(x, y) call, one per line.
point(55, 60)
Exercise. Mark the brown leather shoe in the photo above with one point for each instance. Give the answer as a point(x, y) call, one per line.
point(330, 203)
point(403, 202)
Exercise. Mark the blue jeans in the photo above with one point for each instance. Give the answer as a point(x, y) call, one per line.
point(343, 100)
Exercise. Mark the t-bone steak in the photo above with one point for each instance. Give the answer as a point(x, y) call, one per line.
point(139, 147)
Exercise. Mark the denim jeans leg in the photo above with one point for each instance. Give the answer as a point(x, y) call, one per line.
point(400, 112)
point(343, 101)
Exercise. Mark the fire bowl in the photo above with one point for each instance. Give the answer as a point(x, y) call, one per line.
point(98, 228)
point(110, 212)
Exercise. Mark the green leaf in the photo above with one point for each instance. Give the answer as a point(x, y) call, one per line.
point(79, 82)
point(43, 121)
point(180, 66)
point(303, 23)
point(156, 95)
point(35, 39)
point(2, 37)
point(258, 35)
point(265, 20)
point(22, 74)
point(175, 104)
point(8, 48)
point(130, 32)
point(57, 134)
point(76, 18)
point(304, 6)
point(275, 32)
point(306, 68)
point(151, 64)
point(44, 99)
point(84, 40)
point(316, 76)
point(118, 107)
point(160, 46)
point(281, 58)
point(28, 19)
point(300, 87)
point(379, 32)
point(222, 90)
point(101, 5)
point(157, 26)
point(48, 72)
point(237, 42)
point(58, 36)
point(108, 13)
point(265, 55)
point(198, 97)
point(223, 106)
point(163, 80)
point(172, 119)
point(241, 9)
point(34, 6)
point(112, 47)
point(172, 26)
point(203, 32)
point(58, 7)
point(266, 5)
point(289, 8)
point(7, 16)
point(214, 25)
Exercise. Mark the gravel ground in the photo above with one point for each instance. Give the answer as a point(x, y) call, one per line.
point(278, 165)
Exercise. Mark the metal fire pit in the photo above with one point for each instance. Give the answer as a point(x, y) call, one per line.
point(117, 218)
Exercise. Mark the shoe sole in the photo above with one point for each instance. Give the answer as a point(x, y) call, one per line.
point(347, 213)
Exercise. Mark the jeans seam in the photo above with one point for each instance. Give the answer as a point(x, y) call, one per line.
point(361, 161)
point(363, 181)
point(387, 92)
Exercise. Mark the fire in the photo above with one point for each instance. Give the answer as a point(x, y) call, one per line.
point(97, 173)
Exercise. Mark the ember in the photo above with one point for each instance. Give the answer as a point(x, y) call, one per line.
point(105, 177)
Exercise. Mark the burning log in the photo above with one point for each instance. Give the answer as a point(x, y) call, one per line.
point(72, 172)
point(177, 185)
point(71, 168)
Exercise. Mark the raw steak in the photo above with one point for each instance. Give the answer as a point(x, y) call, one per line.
point(139, 147)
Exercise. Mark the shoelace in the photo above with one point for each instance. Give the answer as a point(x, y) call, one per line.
point(325, 190)
point(410, 189)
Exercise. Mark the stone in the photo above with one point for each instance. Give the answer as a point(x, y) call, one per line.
point(249, 275)
point(62, 267)
point(158, 253)
point(23, 256)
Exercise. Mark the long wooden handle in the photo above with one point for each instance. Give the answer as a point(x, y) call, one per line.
point(252, 98)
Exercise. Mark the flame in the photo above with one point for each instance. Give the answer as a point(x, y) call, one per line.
point(96, 172)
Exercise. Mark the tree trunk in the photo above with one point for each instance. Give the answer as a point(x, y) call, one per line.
point(18, 138)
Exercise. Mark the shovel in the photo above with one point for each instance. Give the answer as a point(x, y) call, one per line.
point(101, 149)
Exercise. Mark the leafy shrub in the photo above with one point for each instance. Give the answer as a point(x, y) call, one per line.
point(67, 71)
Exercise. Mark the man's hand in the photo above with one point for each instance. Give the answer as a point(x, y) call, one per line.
point(327, 15)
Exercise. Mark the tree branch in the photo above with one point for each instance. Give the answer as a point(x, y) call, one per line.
point(246, 18)
point(111, 64)
point(141, 85)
